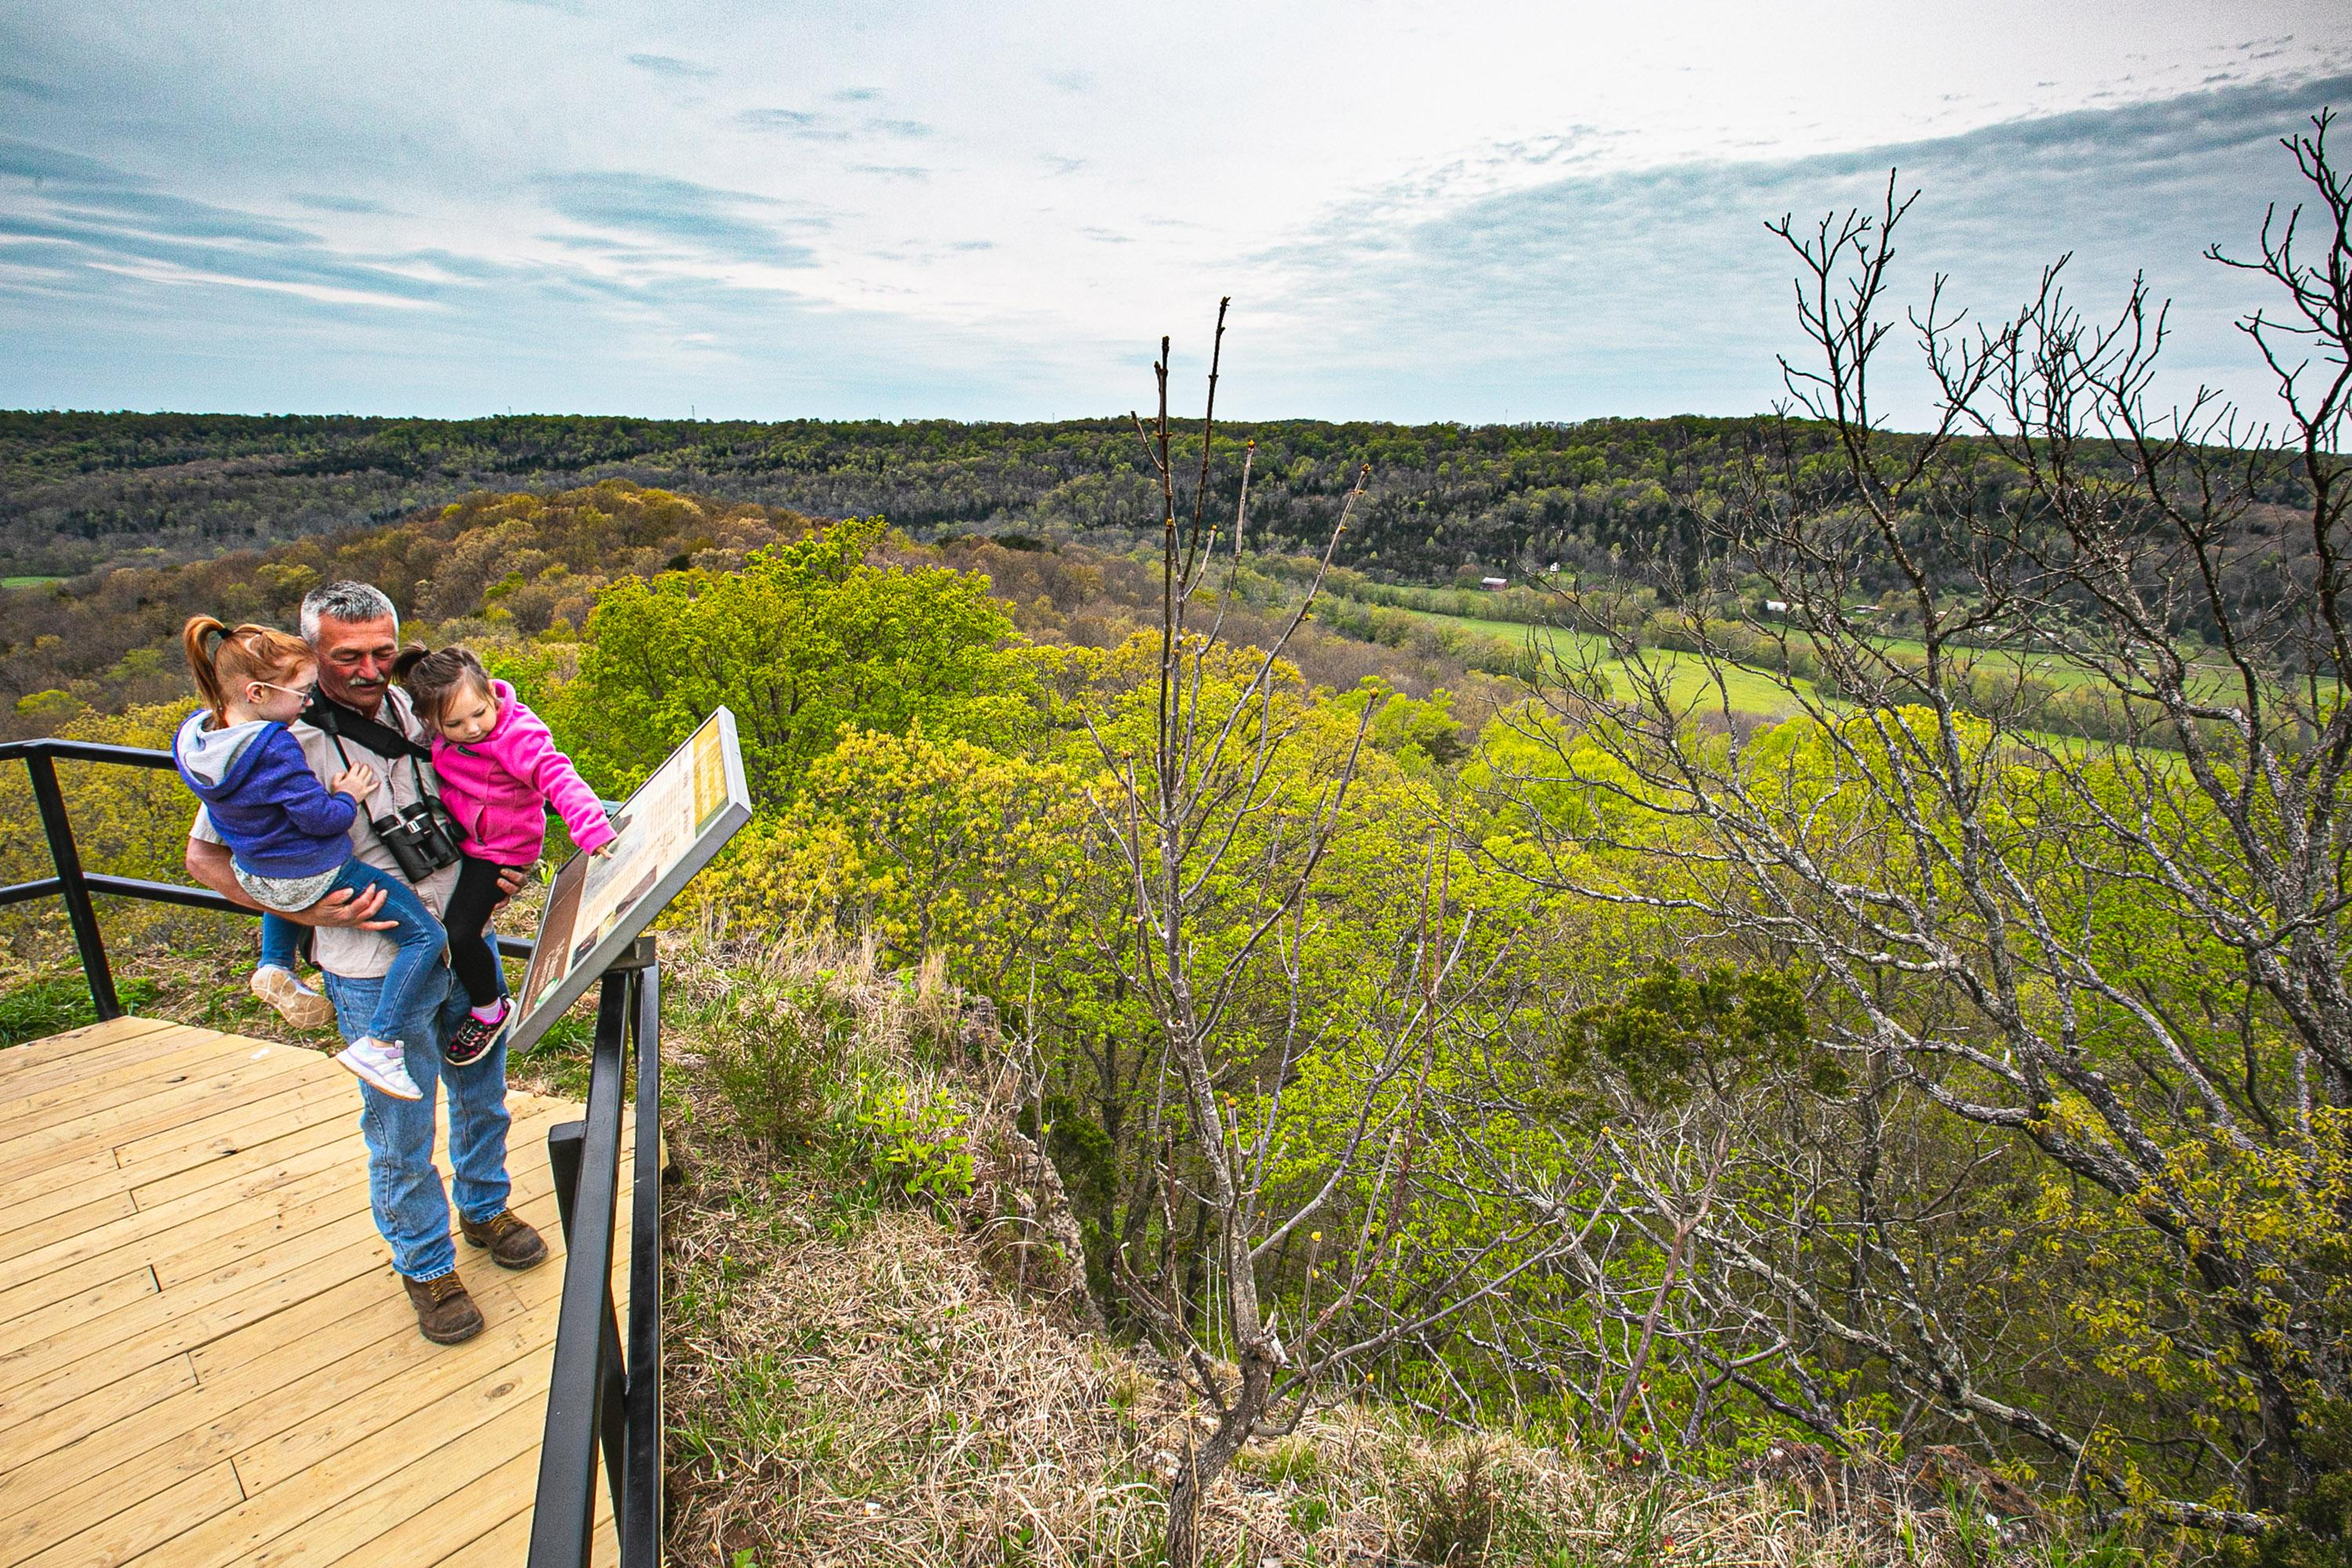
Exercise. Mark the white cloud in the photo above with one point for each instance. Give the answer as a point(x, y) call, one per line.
point(942, 210)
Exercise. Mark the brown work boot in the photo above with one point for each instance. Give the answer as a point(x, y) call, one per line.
point(512, 1243)
point(296, 1002)
point(445, 1313)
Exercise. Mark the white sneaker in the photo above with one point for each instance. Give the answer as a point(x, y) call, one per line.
point(384, 1066)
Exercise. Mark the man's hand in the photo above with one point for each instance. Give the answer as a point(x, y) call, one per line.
point(511, 882)
point(345, 908)
point(210, 863)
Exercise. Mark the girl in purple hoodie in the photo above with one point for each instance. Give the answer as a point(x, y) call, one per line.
point(288, 836)
point(500, 771)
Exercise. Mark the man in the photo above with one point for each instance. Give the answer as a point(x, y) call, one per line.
point(354, 631)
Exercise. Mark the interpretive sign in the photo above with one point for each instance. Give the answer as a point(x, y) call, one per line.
point(598, 904)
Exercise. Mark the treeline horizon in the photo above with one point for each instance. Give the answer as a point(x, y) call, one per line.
point(82, 491)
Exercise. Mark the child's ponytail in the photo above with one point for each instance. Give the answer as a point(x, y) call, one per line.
point(199, 639)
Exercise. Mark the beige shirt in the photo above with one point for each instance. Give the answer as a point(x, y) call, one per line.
point(347, 951)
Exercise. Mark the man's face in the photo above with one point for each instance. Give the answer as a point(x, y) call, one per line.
point(355, 661)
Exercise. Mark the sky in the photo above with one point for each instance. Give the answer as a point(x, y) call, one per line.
point(1481, 211)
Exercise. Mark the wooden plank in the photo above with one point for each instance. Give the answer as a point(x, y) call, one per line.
point(122, 1400)
point(96, 1086)
point(184, 1218)
point(63, 1225)
point(305, 1100)
point(59, 1271)
point(318, 1106)
point(282, 1457)
point(96, 1300)
point(161, 1121)
point(476, 1509)
point(150, 1057)
point(433, 1451)
point(124, 1535)
point(503, 1547)
point(298, 1179)
point(259, 1396)
point(269, 1223)
point(90, 1355)
point(90, 1036)
point(536, 1203)
point(229, 1080)
point(193, 1218)
point(355, 1391)
point(55, 1370)
point(89, 1174)
point(426, 1482)
point(162, 1179)
point(167, 1177)
point(280, 1353)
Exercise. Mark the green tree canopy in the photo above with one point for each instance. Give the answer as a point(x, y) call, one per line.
point(808, 639)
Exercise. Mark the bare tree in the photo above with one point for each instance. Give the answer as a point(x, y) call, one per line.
point(2051, 813)
point(1215, 827)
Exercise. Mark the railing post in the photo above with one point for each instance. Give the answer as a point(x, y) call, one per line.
point(639, 1513)
point(79, 911)
point(586, 1400)
point(565, 1141)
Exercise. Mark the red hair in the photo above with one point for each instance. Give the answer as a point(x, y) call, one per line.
point(224, 659)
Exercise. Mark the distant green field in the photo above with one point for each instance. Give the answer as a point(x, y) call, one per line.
point(26, 582)
point(1747, 691)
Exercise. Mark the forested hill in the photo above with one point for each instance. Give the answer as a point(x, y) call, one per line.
point(80, 490)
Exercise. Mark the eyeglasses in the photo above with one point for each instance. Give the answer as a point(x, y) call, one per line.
point(304, 692)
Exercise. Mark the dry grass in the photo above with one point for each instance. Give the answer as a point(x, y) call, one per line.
point(852, 1381)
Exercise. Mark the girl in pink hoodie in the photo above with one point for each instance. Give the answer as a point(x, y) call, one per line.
point(499, 770)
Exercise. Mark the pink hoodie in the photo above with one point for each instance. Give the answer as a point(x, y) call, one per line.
point(498, 786)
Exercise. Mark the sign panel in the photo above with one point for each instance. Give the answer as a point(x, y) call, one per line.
point(598, 904)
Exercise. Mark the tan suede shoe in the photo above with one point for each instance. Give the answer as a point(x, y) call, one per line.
point(512, 1243)
point(296, 1002)
point(446, 1314)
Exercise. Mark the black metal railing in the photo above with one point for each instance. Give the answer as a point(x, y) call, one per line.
point(604, 1395)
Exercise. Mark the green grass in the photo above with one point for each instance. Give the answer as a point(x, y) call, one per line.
point(46, 1007)
point(26, 582)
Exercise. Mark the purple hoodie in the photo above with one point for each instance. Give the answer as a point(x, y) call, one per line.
point(276, 817)
point(500, 785)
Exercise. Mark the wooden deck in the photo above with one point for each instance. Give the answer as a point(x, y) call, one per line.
point(206, 1357)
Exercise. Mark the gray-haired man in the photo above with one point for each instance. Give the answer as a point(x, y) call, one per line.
point(355, 632)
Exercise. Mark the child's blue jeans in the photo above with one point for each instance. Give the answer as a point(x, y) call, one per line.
point(418, 935)
point(280, 940)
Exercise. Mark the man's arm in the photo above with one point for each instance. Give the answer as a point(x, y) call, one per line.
point(210, 863)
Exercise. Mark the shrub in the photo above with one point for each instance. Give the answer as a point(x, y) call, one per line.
point(915, 1141)
point(779, 1052)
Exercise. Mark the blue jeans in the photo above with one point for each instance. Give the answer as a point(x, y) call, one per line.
point(420, 939)
point(403, 1186)
point(281, 938)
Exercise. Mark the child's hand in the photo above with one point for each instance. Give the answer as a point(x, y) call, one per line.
point(358, 780)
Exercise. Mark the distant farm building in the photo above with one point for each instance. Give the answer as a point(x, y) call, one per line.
point(1494, 585)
